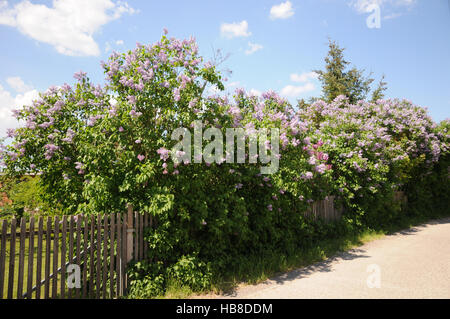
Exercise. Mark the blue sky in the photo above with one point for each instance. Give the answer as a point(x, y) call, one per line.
point(273, 44)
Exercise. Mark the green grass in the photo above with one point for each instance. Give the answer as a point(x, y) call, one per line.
point(256, 269)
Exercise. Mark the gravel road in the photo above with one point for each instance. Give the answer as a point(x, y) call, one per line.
point(414, 263)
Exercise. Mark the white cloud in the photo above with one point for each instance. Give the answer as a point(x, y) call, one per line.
point(282, 11)
point(68, 25)
point(294, 91)
point(253, 47)
point(17, 84)
point(6, 14)
point(255, 92)
point(304, 77)
point(9, 103)
point(119, 42)
point(236, 29)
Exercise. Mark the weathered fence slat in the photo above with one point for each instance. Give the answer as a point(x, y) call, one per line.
point(63, 256)
point(91, 260)
point(23, 228)
point(111, 255)
point(145, 227)
point(141, 236)
point(39, 258)
point(78, 250)
point(136, 236)
point(322, 208)
point(12, 254)
point(47, 259)
point(30, 259)
point(3, 257)
point(128, 236)
point(55, 258)
point(125, 254)
point(150, 225)
point(70, 255)
point(105, 255)
point(119, 288)
point(98, 256)
point(85, 256)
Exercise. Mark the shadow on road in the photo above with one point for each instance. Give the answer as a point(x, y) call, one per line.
point(415, 229)
point(327, 265)
point(322, 266)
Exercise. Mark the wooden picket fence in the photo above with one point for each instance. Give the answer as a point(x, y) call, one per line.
point(101, 246)
point(324, 209)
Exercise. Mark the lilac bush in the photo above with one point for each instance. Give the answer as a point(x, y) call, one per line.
point(375, 149)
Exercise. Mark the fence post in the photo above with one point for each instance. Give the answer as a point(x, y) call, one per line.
point(130, 230)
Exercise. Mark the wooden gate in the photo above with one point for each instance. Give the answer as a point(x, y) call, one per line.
point(70, 256)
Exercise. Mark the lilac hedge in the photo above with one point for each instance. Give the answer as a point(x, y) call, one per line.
point(98, 148)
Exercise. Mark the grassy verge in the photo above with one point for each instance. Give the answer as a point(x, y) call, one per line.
point(256, 269)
